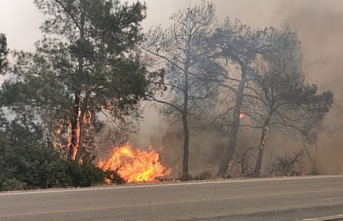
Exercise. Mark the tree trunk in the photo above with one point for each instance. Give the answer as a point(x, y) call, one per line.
point(185, 168)
point(230, 150)
point(84, 109)
point(75, 135)
point(185, 159)
point(79, 151)
point(228, 153)
point(80, 112)
point(258, 165)
point(257, 170)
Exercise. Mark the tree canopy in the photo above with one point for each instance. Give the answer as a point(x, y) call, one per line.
point(3, 52)
point(85, 65)
point(185, 50)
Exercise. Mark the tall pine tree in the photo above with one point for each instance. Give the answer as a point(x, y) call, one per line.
point(86, 64)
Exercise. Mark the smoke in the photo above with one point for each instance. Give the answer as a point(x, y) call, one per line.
point(319, 24)
point(320, 28)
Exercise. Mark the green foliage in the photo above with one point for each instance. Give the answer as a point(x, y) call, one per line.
point(11, 185)
point(29, 162)
point(85, 175)
point(86, 62)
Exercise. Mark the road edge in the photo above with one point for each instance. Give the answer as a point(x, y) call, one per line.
point(326, 218)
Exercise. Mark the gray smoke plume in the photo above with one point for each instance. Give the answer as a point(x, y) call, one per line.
point(319, 24)
point(320, 27)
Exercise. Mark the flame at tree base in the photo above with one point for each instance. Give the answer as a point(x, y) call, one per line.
point(134, 165)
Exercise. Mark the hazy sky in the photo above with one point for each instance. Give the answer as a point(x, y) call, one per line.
point(319, 24)
point(20, 19)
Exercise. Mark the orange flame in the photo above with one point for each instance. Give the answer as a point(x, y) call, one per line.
point(135, 165)
point(69, 133)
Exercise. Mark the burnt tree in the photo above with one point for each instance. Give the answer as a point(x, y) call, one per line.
point(185, 50)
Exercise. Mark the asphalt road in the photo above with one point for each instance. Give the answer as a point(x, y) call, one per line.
point(240, 200)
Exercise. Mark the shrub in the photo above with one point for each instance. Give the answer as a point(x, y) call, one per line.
point(288, 165)
point(12, 184)
point(114, 177)
point(186, 177)
point(85, 175)
point(27, 161)
point(205, 175)
point(35, 166)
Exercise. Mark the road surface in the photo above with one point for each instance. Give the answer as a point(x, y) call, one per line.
point(218, 200)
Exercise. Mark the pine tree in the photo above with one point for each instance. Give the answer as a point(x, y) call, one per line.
point(85, 66)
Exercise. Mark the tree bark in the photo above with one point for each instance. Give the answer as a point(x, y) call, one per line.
point(84, 109)
point(258, 165)
point(230, 150)
point(257, 170)
point(80, 112)
point(75, 128)
point(185, 168)
point(78, 155)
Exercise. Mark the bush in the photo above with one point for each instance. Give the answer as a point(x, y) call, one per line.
point(314, 171)
point(37, 165)
point(27, 161)
point(114, 177)
point(288, 165)
point(85, 175)
point(11, 185)
point(186, 177)
point(205, 175)
point(52, 174)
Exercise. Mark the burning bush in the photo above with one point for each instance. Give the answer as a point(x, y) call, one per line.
point(134, 165)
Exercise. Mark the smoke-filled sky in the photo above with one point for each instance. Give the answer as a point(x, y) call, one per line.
point(318, 22)
point(20, 19)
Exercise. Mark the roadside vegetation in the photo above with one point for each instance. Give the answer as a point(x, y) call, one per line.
point(28, 161)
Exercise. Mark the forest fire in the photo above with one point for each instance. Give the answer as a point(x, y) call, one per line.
point(135, 165)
